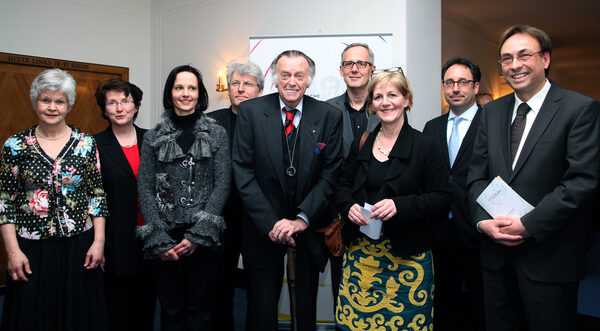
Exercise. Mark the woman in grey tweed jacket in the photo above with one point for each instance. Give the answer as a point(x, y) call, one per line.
point(183, 183)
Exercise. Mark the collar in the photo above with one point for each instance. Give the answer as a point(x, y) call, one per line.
point(468, 114)
point(349, 107)
point(298, 107)
point(535, 103)
point(167, 133)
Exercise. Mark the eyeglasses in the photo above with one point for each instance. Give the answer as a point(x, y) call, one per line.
point(237, 84)
point(359, 64)
point(461, 83)
point(393, 69)
point(508, 59)
point(115, 104)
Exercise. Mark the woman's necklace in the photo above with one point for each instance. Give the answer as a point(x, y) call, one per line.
point(385, 152)
point(130, 145)
point(40, 135)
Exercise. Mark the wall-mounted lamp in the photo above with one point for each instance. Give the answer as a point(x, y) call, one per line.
point(220, 84)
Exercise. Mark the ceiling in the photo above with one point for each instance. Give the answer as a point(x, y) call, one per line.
point(573, 26)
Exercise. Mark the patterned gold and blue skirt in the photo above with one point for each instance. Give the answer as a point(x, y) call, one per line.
point(382, 291)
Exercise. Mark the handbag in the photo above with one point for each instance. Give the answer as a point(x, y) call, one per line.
point(333, 232)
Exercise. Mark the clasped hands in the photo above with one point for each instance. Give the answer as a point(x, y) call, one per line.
point(507, 231)
point(382, 210)
point(284, 230)
point(184, 248)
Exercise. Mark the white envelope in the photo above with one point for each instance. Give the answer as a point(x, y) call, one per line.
point(499, 199)
point(373, 229)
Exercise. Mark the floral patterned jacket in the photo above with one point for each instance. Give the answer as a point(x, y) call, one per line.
point(47, 198)
point(183, 191)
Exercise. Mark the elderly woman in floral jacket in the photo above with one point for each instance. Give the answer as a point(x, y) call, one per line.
point(183, 183)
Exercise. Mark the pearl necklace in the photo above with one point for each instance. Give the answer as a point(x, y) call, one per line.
point(385, 152)
point(40, 135)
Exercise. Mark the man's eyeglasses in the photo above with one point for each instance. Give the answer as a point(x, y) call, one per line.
point(393, 69)
point(115, 104)
point(359, 64)
point(461, 83)
point(508, 59)
point(237, 84)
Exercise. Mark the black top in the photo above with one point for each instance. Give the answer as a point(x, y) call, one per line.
point(358, 118)
point(376, 178)
point(186, 125)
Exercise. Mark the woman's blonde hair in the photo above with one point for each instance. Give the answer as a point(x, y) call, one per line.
point(396, 78)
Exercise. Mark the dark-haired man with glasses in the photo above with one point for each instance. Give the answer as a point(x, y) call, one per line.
point(542, 141)
point(458, 286)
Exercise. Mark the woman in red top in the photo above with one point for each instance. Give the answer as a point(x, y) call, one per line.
point(128, 280)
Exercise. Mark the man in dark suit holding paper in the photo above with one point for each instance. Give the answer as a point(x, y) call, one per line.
point(286, 154)
point(543, 141)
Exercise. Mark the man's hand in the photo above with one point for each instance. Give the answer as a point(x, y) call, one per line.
point(515, 228)
point(496, 229)
point(284, 229)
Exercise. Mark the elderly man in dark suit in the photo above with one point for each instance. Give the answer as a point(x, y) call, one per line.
point(541, 140)
point(458, 284)
point(245, 81)
point(286, 157)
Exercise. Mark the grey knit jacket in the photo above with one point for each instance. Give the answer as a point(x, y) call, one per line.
point(178, 190)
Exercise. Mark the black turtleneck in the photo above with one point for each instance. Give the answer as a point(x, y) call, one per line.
point(186, 124)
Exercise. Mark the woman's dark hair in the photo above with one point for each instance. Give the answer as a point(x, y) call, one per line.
point(202, 104)
point(119, 85)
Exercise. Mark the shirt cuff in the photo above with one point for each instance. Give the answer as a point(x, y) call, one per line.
point(477, 226)
point(304, 217)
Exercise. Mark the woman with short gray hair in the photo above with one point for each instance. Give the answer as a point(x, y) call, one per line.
point(52, 215)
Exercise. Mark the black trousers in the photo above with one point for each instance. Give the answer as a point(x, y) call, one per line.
point(186, 290)
point(131, 299)
point(264, 289)
point(514, 302)
point(458, 297)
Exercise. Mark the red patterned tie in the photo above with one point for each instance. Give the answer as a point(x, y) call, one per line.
point(289, 120)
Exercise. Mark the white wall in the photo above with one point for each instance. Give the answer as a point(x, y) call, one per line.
point(110, 32)
point(153, 36)
point(423, 49)
point(209, 34)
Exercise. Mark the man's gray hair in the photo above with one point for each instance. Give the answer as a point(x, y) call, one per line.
point(371, 55)
point(293, 53)
point(246, 68)
point(53, 80)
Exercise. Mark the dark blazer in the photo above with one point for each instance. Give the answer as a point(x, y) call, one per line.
point(120, 249)
point(225, 118)
point(437, 129)
point(417, 182)
point(557, 173)
point(259, 173)
point(347, 133)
